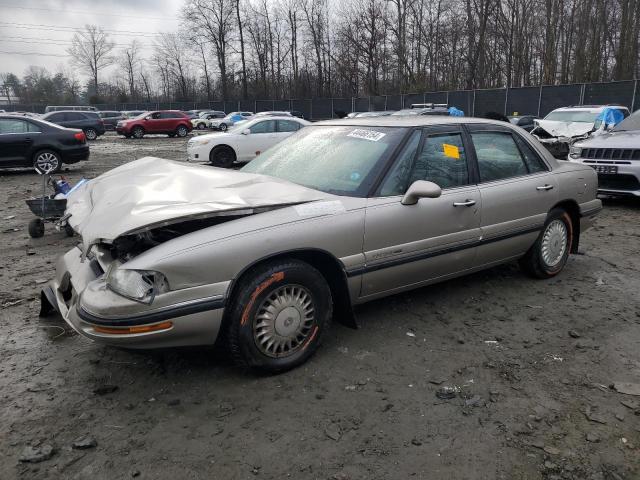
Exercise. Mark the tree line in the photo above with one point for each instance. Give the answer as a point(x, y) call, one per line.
point(272, 49)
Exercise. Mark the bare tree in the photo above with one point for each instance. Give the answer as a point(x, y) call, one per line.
point(91, 50)
point(130, 62)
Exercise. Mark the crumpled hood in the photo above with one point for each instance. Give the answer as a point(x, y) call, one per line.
point(151, 192)
point(564, 129)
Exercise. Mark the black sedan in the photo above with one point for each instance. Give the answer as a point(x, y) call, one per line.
point(28, 142)
point(89, 122)
point(523, 121)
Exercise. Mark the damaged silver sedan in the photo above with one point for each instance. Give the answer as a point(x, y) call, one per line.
point(341, 213)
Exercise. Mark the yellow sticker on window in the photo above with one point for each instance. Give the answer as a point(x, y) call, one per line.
point(451, 151)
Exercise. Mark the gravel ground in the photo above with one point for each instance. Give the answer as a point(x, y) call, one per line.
point(530, 362)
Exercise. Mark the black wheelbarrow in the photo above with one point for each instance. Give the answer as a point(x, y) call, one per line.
point(48, 209)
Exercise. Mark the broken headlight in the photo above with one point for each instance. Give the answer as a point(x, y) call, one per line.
point(139, 285)
point(575, 152)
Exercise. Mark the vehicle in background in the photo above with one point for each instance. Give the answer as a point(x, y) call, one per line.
point(111, 118)
point(25, 142)
point(615, 156)
point(424, 109)
point(203, 120)
point(193, 113)
point(273, 113)
point(223, 124)
point(332, 217)
point(564, 126)
point(132, 113)
point(297, 113)
point(243, 142)
point(384, 113)
point(58, 108)
point(24, 114)
point(168, 122)
point(526, 122)
point(89, 122)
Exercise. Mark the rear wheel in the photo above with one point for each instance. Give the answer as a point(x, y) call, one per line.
point(137, 132)
point(279, 316)
point(182, 131)
point(91, 133)
point(223, 127)
point(222, 156)
point(548, 256)
point(201, 126)
point(47, 161)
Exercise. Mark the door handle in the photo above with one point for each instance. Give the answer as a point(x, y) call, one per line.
point(545, 187)
point(466, 203)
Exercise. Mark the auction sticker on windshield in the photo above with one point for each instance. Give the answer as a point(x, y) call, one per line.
point(366, 134)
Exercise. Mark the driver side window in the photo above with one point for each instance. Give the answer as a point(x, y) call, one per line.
point(439, 159)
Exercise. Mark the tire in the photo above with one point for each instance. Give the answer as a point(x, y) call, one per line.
point(47, 159)
point(137, 132)
point(127, 136)
point(548, 256)
point(36, 228)
point(222, 156)
point(182, 131)
point(201, 126)
point(171, 135)
point(91, 133)
point(279, 341)
point(223, 127)
point(68, 230)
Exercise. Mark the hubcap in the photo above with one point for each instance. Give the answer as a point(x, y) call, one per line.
point(284, 321)
point(554, 243)
point(46, 162)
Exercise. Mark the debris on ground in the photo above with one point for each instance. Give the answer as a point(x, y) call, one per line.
point(36, 454)
point(85, 442)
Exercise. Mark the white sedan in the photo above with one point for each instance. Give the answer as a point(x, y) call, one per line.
point(243, 142)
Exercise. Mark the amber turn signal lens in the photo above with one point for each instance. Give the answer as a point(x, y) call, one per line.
point(129, 330)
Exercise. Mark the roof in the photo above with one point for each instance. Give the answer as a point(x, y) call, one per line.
point(409, 121)
point(589, 107)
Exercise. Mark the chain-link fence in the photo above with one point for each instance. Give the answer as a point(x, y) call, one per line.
point(510, 101)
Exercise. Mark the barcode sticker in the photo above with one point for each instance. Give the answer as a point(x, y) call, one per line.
point(366, 134)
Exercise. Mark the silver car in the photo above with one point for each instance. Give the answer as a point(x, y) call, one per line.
point(615, 156)
point(342, 212)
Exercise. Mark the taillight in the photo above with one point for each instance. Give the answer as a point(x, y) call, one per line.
point(80, 136)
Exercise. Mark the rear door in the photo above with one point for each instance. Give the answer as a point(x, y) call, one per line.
point(517, 190)
point(286, 128)
point(57, 118)
point(75, 120)
point(409, 245)
point(16, 139)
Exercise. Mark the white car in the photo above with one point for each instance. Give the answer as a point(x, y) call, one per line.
point(243, 142)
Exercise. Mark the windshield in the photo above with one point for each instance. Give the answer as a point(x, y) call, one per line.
point(568, 116)
point(342, 160)
point(629, 124)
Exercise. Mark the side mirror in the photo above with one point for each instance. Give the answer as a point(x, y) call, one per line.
point(148, 118)
point(246, 132)
point(421, 189)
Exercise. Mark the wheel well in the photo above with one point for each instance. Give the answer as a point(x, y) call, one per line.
point(217, 147)
point(571, 207)
point(41, 149)
point(330, 268)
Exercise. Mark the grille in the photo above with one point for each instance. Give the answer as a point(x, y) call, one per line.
point(618, 182)
point(611, 153)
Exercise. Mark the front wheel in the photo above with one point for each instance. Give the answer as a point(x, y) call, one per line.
point(36, 228)
point(222, 156)
point(278, 316)
point(548, 256)
point(138, 132)
point(91, 133)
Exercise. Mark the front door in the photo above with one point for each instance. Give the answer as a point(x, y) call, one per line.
point(409, 245)
point(517, 191)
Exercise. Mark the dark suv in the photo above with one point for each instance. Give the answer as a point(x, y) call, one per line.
point(25, 142)
point(89, 122)
point(169, 122)
point(111, 118)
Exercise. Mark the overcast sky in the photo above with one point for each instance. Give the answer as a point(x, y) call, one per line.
point(33, 31)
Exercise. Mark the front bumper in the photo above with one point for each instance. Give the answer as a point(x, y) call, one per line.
point(625, 182)
point(198, 153)
point(188, 322)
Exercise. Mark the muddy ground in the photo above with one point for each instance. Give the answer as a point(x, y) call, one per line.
point(533, 360)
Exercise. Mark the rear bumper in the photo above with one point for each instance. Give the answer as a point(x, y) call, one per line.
point(187, 323)
point(76, 155)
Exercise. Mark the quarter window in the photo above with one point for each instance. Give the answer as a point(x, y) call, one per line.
point(268, 126)
point(498, 156)
point(533, 161)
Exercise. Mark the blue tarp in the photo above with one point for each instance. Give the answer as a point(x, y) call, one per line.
point(454, 112)
point(611, 116)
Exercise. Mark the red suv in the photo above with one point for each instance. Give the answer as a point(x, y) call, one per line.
point(170, 122)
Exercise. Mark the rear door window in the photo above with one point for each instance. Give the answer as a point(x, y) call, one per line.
point(288, 126)
point(74, 117)
point(267, 126)
point(498, 156)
